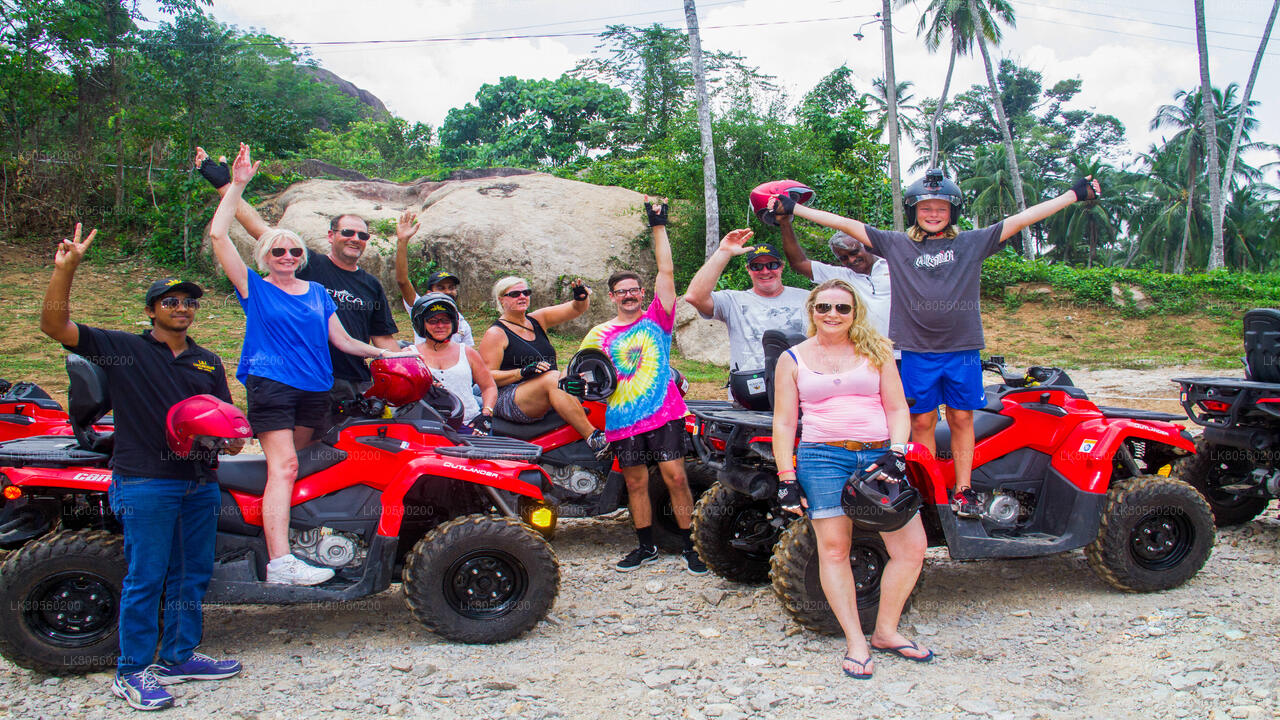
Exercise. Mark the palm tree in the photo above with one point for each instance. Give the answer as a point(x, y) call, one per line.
point(991, 185)
point(1246, 99)
point(908, 112)
point(1208, 119)
point(895, 161)
point(710, 197)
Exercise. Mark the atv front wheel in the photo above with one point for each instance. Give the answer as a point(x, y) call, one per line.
point(481, 579)
point(735, 534)
point(1211, 469)
point(795, 577)
point(1155, 534)
point(59, 600)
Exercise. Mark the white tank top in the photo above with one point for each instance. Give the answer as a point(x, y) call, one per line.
point(457, 380)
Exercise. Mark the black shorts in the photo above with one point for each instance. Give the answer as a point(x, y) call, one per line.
point(663, 443)
point(276, 406)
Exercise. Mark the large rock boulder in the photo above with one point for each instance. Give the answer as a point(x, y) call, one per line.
point(699, 339)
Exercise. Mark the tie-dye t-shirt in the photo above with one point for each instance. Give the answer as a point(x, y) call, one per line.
point(646, 396)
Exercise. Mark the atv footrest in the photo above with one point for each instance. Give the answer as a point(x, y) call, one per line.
point(489, 447)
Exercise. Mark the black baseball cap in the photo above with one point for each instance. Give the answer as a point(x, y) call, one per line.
point(438, 277)
point(763, 250)
point(165, 285)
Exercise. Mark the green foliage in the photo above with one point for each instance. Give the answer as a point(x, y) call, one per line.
point(391, 149)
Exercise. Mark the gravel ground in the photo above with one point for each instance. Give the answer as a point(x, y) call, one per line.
point(1035, 638)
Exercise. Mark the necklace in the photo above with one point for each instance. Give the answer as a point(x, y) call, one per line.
point(831, 363)
point(512, 322)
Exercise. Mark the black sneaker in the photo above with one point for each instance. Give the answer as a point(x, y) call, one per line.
point(636, 558)
point(693, 563)
point(965, 503)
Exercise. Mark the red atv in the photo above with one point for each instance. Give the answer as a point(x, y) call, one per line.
point(1055, 472)
point(377, 500)
point(26, 410)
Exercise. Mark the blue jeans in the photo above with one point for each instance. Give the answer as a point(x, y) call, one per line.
point(169, 529)
point(823, 470)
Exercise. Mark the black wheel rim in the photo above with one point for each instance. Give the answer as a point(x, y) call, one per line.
point(1225, 473)
point(485, 584)
point(1161, 540)
point(868, 561)
point(72, 609)
point(752, 533)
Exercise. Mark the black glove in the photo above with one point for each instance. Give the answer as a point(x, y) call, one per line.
point(656, 217)
point(579, 292)
point(217, 173)
point(789, 494)
point(893, 465)
point(530, 370)
point(785, 206)
point(482, 424)
point(574, 385)
point(1082, 188)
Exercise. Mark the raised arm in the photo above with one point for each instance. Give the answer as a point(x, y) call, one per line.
point(219, 176)
point(406, 228)
point(564, 312)
point(783, 205)
point(242, 171)
point(795, 254)
point(1083, 189)
point(698, 294)
point(664, 286)
point(55, 316)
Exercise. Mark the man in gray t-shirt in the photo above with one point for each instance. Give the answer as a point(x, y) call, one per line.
point(748, 313)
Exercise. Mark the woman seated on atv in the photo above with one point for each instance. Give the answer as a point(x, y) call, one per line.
point(284, 364)
point(523, 362)
point(456, 366)
point(855, 416)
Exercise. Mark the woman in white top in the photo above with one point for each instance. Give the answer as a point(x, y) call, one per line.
point(435, 319)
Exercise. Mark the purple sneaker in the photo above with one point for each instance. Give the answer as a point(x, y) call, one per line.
point(199, 667)
point(142, 690)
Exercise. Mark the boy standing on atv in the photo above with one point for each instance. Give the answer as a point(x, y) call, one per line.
point(935, 317)
point(168, 513)
point(644, 420)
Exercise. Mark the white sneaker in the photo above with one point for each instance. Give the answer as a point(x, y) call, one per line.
point(289, 570)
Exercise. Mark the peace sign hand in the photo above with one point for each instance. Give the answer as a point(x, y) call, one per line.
point(71, 252)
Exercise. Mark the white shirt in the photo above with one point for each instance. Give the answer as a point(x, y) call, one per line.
point(873, 289)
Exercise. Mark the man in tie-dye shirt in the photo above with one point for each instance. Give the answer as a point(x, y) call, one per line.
point(644, 421)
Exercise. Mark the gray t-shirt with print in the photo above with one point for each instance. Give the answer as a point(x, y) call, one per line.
point(936, 288)
point(748, 315)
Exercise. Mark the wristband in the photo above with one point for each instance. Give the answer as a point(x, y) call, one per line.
point(786, 472)
point(900, 448)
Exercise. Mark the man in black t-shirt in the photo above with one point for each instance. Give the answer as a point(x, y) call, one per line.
point(167, 510)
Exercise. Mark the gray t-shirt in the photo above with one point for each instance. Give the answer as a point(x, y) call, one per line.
point(936, 288)
point(748, 315)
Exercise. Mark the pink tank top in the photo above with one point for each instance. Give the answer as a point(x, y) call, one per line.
point(840, 407)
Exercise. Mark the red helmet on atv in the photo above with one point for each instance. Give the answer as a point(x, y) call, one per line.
point(203, 422)
point(399, 380)
point(759, 197)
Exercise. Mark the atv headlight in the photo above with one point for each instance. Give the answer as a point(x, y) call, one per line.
point(542, 517)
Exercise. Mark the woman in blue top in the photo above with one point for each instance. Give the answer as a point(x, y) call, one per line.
point(284, 364)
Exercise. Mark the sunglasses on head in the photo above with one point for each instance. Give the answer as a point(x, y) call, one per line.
point(770, 265)
point(279, 251)
point(348, 232)
point(173, 302)
point(517, 293)
point(824, 308)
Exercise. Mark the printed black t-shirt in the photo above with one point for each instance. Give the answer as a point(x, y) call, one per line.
point(362, 309)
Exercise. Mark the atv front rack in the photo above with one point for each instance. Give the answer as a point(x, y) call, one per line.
point(490, 447)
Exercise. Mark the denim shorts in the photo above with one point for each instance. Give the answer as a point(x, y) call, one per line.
point(822, 471)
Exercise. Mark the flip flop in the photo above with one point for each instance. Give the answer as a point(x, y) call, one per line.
point(909, 646)
point(864, 675)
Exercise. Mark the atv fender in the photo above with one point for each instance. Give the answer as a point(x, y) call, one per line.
point(516, 477)
point(1087, 457)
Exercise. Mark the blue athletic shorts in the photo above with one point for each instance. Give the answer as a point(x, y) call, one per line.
point(953, 379)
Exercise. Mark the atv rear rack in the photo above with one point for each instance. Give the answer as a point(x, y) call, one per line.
point(490, 447)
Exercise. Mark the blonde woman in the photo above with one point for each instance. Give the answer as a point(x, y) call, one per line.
point(844, 379)
point(523, 362)
point(284, 364)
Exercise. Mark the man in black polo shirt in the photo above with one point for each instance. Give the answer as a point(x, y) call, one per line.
point(168, 512)
point(362, 303)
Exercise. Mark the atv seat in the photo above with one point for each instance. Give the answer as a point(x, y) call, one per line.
point(525, 431)
point(1135, 414)
point(1262, 344)
point(985, 424)
point(87, 401)
point(51, 451)
point(775, 343)
point(248, 473)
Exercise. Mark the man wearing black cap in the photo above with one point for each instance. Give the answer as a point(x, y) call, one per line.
point(748, 313)
point(167, 511)
point(439, 281)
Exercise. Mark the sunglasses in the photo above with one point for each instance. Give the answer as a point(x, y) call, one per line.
point(628, 292)
point(348, 232)
point(173, 302)
point(758, 266)
point(517, 293)
point(279, 252)
point(824, 308)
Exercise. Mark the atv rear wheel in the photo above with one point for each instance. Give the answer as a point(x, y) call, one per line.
point(59, 601)
point(1155, 534)
point(795, 577)
point(1214, 467)
point(734, 534)
point(481, 579)
point(666, 531)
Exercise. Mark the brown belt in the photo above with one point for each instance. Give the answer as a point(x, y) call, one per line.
point(855, 445)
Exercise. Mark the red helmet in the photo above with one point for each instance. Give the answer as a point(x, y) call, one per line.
point(399, 380)
point(759, 197)
point(203, 422)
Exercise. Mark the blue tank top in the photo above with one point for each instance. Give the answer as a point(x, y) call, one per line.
point(286, 337)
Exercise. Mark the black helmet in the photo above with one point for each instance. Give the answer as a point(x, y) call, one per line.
point(431, 304)
point(933, 186)
point(597, 373)
point(877, 505)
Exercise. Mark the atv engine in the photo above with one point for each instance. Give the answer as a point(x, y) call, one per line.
point(327, 547)
point(575, 479)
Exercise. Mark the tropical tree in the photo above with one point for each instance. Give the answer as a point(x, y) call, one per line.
point(891, 113)
point(1208, 121)
point(990, 185)
point(710, 200)
point(909, 124)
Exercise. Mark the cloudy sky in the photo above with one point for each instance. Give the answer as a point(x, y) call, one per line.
point(1132, 55)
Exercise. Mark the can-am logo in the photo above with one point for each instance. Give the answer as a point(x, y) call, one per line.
point(468, 468)
point(92, 477)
